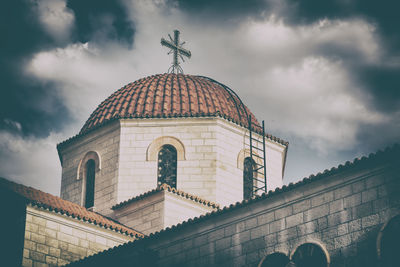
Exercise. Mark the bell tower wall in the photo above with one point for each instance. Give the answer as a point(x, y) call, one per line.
point(104, 143)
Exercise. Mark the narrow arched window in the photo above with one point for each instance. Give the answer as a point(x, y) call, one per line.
point(248, 177)
point(167, 165)
point(90, 180)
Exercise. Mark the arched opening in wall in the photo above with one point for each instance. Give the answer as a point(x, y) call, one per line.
point(248, 177)
point(388, 249)
point(277, 259)
point(310, 255)
point(167, 166)
point(90, 183)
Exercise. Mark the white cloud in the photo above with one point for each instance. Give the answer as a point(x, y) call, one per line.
point(85, 75)
point(31, 161)
point(55, 17)
point(317, 101)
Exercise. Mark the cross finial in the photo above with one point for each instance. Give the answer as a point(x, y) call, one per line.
point(178, 50)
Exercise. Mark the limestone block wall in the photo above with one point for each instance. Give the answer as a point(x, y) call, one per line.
point(159, 211)
point(104, 142)
point(53, 240)
point(196, 172)
point(144, 215)
point(209, 167)
point(178, 209)
point(233, 146)
point(342, 212)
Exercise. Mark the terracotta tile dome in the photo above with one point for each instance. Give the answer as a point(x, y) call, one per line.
point(171, 95)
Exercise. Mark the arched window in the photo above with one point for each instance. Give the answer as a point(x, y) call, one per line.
point(275, 260)
point(90, 180)
point(248, 177)
point(389, 249)
point(167, 165)
point(309, 255)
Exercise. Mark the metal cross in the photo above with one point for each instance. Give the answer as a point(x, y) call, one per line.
point(178, 50)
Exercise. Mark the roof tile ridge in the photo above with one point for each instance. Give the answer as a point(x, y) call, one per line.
point(189, 77)
point(189, 99)
point(127, 101)
point(206, 88)
point(135, 198)
point(138, 92)
point(162, 112)
point(203, 95)
point(180, 95)
point(172, 95)
point(189, 196)
point(160, 77)
point(144, 113)
point(63, 210)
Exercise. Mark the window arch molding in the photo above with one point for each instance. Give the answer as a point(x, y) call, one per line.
point(244, 153)
point(155, 146)
point(82, 164)
point(380, 236)
point(314, 242)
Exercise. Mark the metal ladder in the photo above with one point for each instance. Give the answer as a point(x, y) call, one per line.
point(255, 144)
point(257, 153)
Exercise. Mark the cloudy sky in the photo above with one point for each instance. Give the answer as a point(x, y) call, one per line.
point(324, 75)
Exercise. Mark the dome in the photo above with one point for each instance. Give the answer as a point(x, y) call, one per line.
point(169, 96)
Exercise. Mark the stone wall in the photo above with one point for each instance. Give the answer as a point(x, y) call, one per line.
point(341, 211)
point(105, 142)
point(209, 168)
point(52, 239)
point(158, 211)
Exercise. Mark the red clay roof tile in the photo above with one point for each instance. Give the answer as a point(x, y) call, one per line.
point(166, 95)
point(165, 187)
point(57, 204)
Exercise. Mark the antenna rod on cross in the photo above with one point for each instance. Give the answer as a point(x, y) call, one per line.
point(177, 48)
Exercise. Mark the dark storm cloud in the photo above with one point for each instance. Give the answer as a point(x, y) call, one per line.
point(22, 100)
point(224, 10)
point(101, 21)
point(384, 15)
point(34, 104)
point(383, 82)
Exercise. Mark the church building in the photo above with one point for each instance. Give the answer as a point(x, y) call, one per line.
point(175, 170)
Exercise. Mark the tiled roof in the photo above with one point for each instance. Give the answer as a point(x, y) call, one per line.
point(165, 187)
point(389, 154)
point(171, 95)
point(56, 204)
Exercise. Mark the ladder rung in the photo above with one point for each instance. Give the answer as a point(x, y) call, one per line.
point(257, 156)
point(262, 167)
point(258, 180)
point(258, 148)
